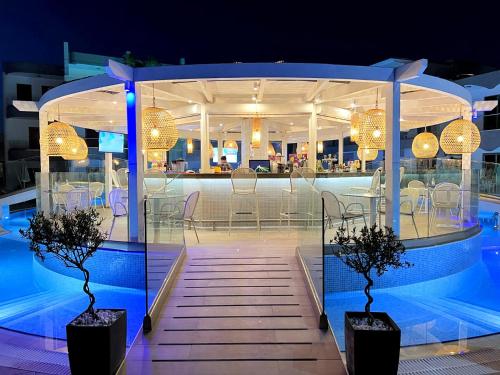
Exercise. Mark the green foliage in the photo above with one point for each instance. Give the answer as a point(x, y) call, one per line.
point(72, 238)
point(370, 250)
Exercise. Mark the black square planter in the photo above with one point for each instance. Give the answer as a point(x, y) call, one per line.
point(97, 350)
point(371, 352)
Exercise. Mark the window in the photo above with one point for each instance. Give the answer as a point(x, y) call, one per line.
point(492, 118)
point(34, 137)
point(46, 88)
point(24, 92)
point(492, 158)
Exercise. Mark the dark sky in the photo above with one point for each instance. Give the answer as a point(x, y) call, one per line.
point(346, 32)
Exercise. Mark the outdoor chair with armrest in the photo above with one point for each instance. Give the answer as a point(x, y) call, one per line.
point(336, 210)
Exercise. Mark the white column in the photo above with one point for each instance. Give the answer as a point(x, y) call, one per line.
point(220, 145)
point(341, 149)
point(261, 152)
point(44, 169)
point(363, 162)
point(204, 139)
point(135, 164)
point(246, 140)
point(313, 138)
point(284, 150)
point(392, 156)
point(108, 178)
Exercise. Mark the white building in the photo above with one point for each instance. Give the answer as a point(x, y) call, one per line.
point(22, 85)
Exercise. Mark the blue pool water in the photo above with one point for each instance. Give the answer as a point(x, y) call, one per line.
point(460, 305)
point(39, 301)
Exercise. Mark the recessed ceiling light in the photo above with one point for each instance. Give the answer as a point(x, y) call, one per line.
point(291, 123)
point(110, 121)
point(221, 124)
point(114, 102)
point(190, 101)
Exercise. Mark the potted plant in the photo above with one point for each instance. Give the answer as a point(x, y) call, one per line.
point(372, 339)
point(97, 337)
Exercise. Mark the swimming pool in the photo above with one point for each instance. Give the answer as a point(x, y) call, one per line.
point(40, 301)
point(460, 305)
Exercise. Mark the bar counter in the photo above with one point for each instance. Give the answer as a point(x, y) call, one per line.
point(215, 193)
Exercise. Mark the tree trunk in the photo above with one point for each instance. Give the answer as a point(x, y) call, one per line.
point(369, 297)
point(86, 289)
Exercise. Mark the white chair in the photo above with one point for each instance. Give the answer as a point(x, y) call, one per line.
point(336, 210)
point(122, 175)
point(114, 178)
point(445, 196)
point(374, 185)
point(422, 192)
point(288, 194)
point(59, 196)
point(96, 190)
point(244, 183)
point(77, 199)
point(118, 201)
point(187, 214)
point(408, 205)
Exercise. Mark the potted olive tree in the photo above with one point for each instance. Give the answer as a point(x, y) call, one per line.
point(372, 339)
point(97, 337)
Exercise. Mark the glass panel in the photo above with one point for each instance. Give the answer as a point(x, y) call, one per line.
point(307, 207)
point(164, 224)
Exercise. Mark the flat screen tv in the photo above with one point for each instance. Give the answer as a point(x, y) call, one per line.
point(111, 142)
point(260, 166)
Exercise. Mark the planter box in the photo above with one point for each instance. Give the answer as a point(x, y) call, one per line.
point(97, 350)
point(371, 352)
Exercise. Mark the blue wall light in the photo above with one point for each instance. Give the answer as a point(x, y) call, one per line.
point(130, 98)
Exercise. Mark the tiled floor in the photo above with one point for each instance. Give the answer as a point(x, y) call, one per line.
point(239, 306)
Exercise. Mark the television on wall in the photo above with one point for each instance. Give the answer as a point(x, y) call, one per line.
point(111, 142)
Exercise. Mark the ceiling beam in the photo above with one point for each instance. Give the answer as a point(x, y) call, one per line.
point(174, 91)
point(260, 94)
point(314, 92)
point(209, 97)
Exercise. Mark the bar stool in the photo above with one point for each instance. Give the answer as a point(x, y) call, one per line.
point(244, 183)
point(288, 194)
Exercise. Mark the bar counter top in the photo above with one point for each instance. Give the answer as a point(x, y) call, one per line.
point(263, 175)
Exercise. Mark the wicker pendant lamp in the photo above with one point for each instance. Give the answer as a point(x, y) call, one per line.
point(304, 148)
point(372, 128)
point(231, 144)
point(78, 150)
point(189, 145)
point(256, 132)
point(57, 138)
point(460, 137)
point(425, 145)
point(369, 153)
point(159, 131)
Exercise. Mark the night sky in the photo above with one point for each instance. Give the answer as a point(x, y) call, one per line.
point(346, 32)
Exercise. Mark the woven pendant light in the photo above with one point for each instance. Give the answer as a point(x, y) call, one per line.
point(355, 127)
point(159, 131)
point(369, 153)
point(230, 144)
point(256, 132)
point(189, 145)
point(372, 129)
point(78, 150)
point(425, 145)
point(320, 147)
point(270, 149)
point(57, 139)
point(460, 137)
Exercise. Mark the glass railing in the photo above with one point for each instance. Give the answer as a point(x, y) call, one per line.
point(164, 239)
point(308, 207)
point(489, 178)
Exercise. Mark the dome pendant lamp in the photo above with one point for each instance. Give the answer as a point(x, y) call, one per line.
point(460, 137)
point(425, 145)
point(159, 131)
